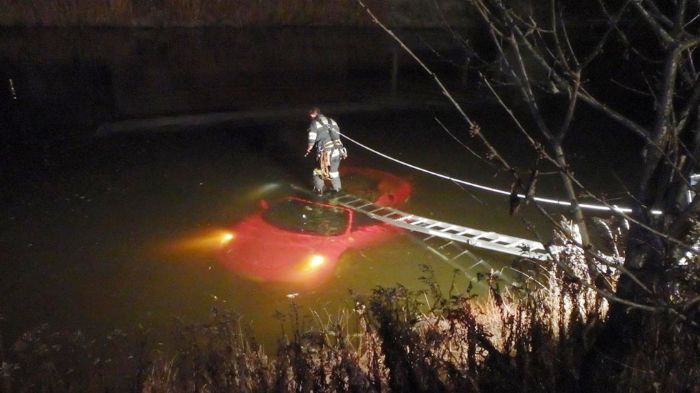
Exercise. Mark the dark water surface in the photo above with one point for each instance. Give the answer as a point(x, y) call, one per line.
point(113, 231)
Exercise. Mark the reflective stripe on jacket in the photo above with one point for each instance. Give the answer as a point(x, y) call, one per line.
point(324, 133)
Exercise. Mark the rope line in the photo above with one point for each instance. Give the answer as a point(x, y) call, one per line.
point(552, 201)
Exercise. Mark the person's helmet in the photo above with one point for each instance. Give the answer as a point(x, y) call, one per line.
point(314, 111)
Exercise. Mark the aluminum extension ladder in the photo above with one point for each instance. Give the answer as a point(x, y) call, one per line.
point(450, 232)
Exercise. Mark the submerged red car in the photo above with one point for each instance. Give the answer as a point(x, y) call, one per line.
point(299, 238)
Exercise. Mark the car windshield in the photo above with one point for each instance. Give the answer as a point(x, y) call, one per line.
point(306, 217)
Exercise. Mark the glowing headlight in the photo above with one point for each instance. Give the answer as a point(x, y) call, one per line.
point(316, 261)
point(227, 237)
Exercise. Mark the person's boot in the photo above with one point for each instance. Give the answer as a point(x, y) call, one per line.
point(334, 193)
point(318, 194)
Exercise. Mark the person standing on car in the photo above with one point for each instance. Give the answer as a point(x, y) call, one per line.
point(324, 133)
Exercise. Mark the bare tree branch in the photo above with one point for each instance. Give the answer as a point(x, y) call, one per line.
point(660, 133)
point(569, 116)
point(689, 43)
point(523, 79)
point(508, 29)
point(615, 115)
point(555, 222)
point(610, 112)
point(691, 105)
point(663, 19)
point(565, 32)
point(663, 35)
point(470, 150)
point(612, 26)
point(680, 17)
point(649, 93)
point(586, 97)
point(680, 226)
point(444, 90)
point(557, 44)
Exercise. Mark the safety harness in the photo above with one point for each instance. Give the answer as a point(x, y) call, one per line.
point(325, 152)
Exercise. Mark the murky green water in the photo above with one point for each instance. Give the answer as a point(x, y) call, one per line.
point(110, 232)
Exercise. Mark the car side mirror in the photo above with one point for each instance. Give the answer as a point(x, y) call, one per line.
point(263, 204)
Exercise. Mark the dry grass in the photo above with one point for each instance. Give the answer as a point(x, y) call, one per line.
point(517, 339)
point(241, 13)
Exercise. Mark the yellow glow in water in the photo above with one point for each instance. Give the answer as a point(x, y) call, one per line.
point(205, 241)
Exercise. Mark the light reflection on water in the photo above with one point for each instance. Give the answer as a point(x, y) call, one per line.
point(132, 240)
point(120, 231)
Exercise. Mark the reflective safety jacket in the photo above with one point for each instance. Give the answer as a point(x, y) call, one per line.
point(325, 134)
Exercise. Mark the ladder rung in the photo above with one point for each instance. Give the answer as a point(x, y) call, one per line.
point(484, 235)
point(467, 231)
point(450, 234)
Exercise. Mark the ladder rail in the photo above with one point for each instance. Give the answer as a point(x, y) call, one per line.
point(482, 239)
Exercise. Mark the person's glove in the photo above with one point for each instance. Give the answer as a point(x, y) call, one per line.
point(343, 153)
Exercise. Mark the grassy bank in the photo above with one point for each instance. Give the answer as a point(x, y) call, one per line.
point(242, 13)
point(530, 338)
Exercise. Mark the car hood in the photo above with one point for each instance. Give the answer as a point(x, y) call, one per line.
point(261, 251)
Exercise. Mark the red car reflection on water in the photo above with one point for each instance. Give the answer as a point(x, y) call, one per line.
point(299, 239)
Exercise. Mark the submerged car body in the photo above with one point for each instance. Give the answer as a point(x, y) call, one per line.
point(298, 238)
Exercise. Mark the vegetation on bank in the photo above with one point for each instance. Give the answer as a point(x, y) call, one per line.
point(579, 326)
point(531, 337)
point(242, 13)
